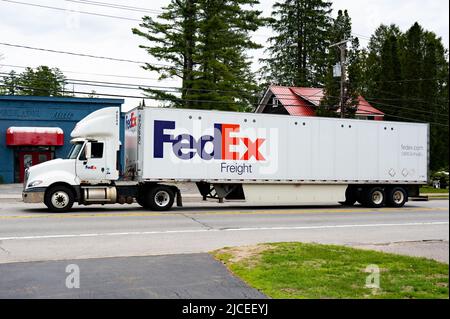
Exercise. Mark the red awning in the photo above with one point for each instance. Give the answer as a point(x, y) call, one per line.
point(38, 136)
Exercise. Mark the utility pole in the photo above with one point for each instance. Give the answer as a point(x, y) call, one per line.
point(342, 46)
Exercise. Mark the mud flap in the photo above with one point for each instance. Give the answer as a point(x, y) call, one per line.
point(179, 199)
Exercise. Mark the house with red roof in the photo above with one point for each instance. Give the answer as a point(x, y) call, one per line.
point(301, 101)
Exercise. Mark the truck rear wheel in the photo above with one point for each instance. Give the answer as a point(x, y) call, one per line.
point(59, 199)
point(374, 197)
point(160, 198)
point(396, 197)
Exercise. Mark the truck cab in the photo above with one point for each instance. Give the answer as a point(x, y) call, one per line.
point(87, 174)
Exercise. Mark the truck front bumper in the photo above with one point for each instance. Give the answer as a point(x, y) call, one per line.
point(34, 195)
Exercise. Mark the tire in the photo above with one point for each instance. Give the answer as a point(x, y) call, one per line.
point(159, 198)
point(374, 197)
point(396, 197)
point(59, 199)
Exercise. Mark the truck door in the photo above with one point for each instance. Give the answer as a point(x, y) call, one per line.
point(91, 162)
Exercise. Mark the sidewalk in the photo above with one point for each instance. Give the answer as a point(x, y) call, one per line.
point(11, 191)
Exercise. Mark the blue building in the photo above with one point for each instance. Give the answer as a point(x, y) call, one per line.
point(37, 129)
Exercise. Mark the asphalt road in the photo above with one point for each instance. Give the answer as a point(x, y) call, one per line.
point(174, 276)
point(29, 233)
point(127, 252)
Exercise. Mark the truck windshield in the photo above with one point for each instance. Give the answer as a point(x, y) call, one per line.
point(75, 150)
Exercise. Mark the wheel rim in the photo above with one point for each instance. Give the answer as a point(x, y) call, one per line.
point(377, 197)
point(398, 197)
point(60, 199)
point(162, 198)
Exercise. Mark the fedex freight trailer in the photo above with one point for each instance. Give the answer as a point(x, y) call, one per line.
point(260, 158)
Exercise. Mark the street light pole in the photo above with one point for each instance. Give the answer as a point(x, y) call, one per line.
point(342, 46)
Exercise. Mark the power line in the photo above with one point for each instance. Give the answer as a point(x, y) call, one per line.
point(133, 96)
point(186, 101)
point(181, 100)
point(171, 89)
point(408, 80)
point(411, 119)
point(405, 99)
point(116, 6)
point(71, 10)
point(139, 97)
point(90, 55)
point(411, 99)
point(408, 109)
point(74, 53)
point(97, 74)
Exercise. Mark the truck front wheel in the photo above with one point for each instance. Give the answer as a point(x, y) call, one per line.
point(59, 199)
point(160, 198)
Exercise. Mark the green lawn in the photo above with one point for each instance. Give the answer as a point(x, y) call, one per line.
point(431, 190)
point(297, 270)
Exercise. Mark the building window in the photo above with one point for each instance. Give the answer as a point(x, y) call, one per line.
point(275, 102)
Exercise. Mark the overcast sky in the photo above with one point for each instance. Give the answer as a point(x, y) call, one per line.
point(68, 31)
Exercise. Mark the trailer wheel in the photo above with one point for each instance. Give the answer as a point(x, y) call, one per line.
point(59, 198)
point(160, 198)
point(396, 197)
point(374, 197)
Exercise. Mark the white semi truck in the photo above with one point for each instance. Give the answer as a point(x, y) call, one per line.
point(259, 158)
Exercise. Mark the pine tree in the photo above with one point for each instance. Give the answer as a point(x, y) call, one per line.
point(373, 62)
point(172, 36)
point(390, 80)
point(413, 69)
point(204, 43)
point(42, 81)
point(297, 53)
point(431, 100)
point(223, 78)
point(406, 76)
point(10, 84)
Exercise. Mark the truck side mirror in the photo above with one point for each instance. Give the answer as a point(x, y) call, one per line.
point(88, 150)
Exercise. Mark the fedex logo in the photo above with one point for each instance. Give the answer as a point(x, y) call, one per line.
point(222, 145)
point(130, 121)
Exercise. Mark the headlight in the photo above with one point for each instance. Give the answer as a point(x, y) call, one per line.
point(34, 183)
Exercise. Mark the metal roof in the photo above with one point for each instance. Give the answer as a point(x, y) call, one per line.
point(301, 101)
point(364, 107)
point(312, 95)
point(291, 102)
